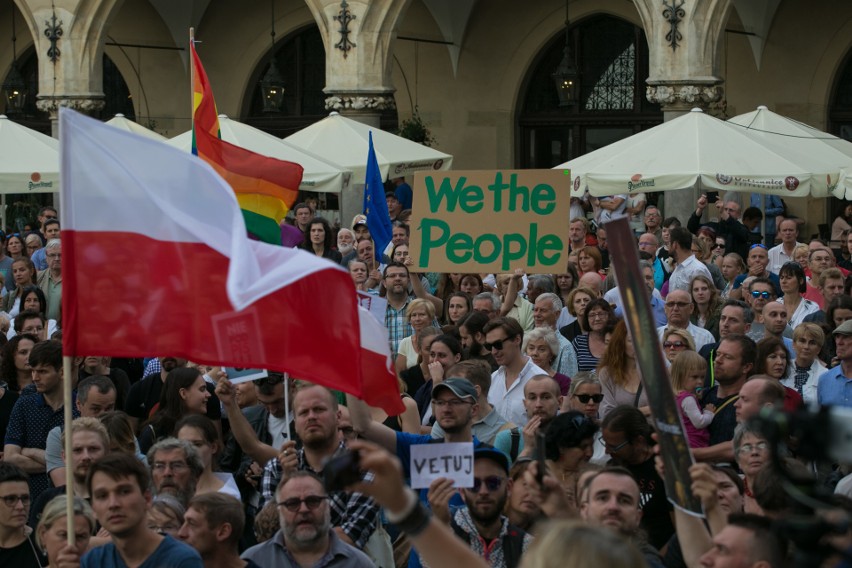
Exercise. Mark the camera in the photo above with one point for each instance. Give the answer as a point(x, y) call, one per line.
point(341, 471)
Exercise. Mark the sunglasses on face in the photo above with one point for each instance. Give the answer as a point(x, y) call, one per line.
point(294, 504)
point(765, 295)
point(498, 345)
point(492, 483)
point(585, 398)
point(674, 344)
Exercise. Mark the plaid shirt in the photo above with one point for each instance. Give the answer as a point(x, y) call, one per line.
point(398, 326)
point(356, 514)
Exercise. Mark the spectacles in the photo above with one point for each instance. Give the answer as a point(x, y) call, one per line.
point(677, 304)
point(312, 502)
point(585, 398)
point(749, 448)
point(757, 245)
point(598, 315)
point(765, 295)
point(675, 344)
point(492, 483)
point(54, 255)
point(451, 402)
point(174, 466)
point(12, 500)
point(613, 449)
point(498, 345)
point(38, 329)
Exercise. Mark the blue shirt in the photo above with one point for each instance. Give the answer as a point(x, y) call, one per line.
point(834, 388)
point(39, 260)
point(404, 195)
point(170, 554)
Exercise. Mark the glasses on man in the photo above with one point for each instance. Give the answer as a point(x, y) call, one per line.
point(452, 402)
point(492, 483)
point(674, 344)
point(677, 304)
point(765, 295)
point(613, 449)
point(173, 466)
point(312, 502)
point(498, 345)
point(12, 500)
point(585, 398)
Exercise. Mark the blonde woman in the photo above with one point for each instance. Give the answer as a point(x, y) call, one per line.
point(676, 341)
point(52, 531)
point(559, 547)
point(419, 315)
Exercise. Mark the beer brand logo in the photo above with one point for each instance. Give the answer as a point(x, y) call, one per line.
point(635, 177)
point(791, 183)
point(637, 182)
point(36, 177)
point(577, 183)
point(36, 183)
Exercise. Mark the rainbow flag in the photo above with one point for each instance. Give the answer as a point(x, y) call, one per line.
point(266, 188)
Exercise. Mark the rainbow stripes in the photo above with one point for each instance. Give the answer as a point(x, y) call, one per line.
point(266, 188)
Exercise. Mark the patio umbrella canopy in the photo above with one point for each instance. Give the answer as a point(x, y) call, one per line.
point(346, 142)
point(824, 154)
point(693, 151)
point(29, 160)
point(319, 174)
point(123, 123)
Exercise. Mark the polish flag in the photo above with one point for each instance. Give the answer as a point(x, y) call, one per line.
point(156, 261)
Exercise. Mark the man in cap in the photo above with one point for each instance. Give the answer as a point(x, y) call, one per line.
point(835, 386)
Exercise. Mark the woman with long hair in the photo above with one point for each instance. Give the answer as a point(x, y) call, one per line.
point(773, 360)
point(444, 352)
point(569, 445)
point(471, 333)
point(14, 246)
point(121, 435)
point(589, 259)
point(320, 240)
point(419, 314)
point(565, 284)
point(702, 248)
point(24, 275)
point(578, 299)
point(542, 346)
point(33, 299)
point(707, 304)
point(618, 373)
point(447, 284)
point(471, 284)
point(793, 285)
point(15, 368)
point(456, 307)
point(732, 266)
point(595, 320)
point(51, 534)
point(200, 431)
point(184, 392)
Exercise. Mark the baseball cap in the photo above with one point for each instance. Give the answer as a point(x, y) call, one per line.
point(359, 220)
point(462, 388)
point(844, 328)
point(493, 454)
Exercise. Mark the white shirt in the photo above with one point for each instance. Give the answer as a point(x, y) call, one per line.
point(685, 271)
point(809, 389)
point(509, 403)
point(606, 214)
point(777, 257)
point(805, 308)
point(701, 336)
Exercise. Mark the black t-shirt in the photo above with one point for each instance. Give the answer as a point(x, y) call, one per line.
point(145, 395)
point(6, 405)
point(725, 421)
point(25, 555)
point(656, 509)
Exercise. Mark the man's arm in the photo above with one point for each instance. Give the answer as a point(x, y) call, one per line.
point(360, 519)
point(723, 452)
point(366, 427)
point(25, 458)
point(243, 433)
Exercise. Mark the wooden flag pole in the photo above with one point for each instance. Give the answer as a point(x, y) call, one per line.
point(67, 370)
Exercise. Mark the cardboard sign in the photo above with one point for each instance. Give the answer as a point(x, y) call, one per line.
point(376, 305)
point(491, 221)
point(451, 460)
point(239, 375)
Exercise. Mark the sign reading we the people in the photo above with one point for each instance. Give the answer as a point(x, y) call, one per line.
point(490, 221)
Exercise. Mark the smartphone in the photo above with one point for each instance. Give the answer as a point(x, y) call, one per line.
point(342, 471)
point(539, 457)
point(712, 196)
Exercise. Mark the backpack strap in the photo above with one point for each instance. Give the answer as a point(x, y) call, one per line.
point(513, 546)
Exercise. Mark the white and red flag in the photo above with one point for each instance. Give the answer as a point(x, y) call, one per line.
point(156, 261)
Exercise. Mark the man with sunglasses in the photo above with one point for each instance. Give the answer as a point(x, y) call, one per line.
point(760, 292)
point(16, 547)
point(481, 523)
point(306, 537)
point(757, 261)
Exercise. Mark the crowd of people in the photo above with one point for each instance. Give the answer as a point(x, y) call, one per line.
point(174, 465)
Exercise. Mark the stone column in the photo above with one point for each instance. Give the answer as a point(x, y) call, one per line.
point(358, 38)
point(69, 41)
point(683, 42)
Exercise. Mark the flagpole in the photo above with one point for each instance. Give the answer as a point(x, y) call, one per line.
point(191, 83)
point(286, 407)
point(67, 369)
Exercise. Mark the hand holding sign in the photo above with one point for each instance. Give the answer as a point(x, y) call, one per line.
point(440, 493)
point(453, 461)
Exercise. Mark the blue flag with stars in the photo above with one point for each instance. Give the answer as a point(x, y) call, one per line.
point(375, 206)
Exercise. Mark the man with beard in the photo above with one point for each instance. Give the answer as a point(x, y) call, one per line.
point(212, 525)
point(89, 442)
point(306, 537)
point(613, 501)
point(736, 318)
point(119, 485)
point(542, 400)
point(353, 515)
point(488, 423)
point(733, 363)
point(175, 468)
point(481, 523)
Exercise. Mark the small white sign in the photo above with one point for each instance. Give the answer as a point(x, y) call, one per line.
point(376, 305)
point(451, 460)
point(238, 375)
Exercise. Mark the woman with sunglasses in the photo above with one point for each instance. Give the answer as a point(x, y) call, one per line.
point(569, 444)
point(676, 341)
point(591, 345)
point(707, 304)
point(793, 285)
point(586, 395)
point(618, 373)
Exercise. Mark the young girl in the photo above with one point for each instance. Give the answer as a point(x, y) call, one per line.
point(687, 372)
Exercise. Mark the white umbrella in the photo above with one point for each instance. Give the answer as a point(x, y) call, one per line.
point(123, 123)
point(824, 154)
point(319, 174)
point(695, 150)
point(29, 162)
point(346, 141)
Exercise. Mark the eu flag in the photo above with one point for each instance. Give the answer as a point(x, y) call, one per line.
point(375, 206)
